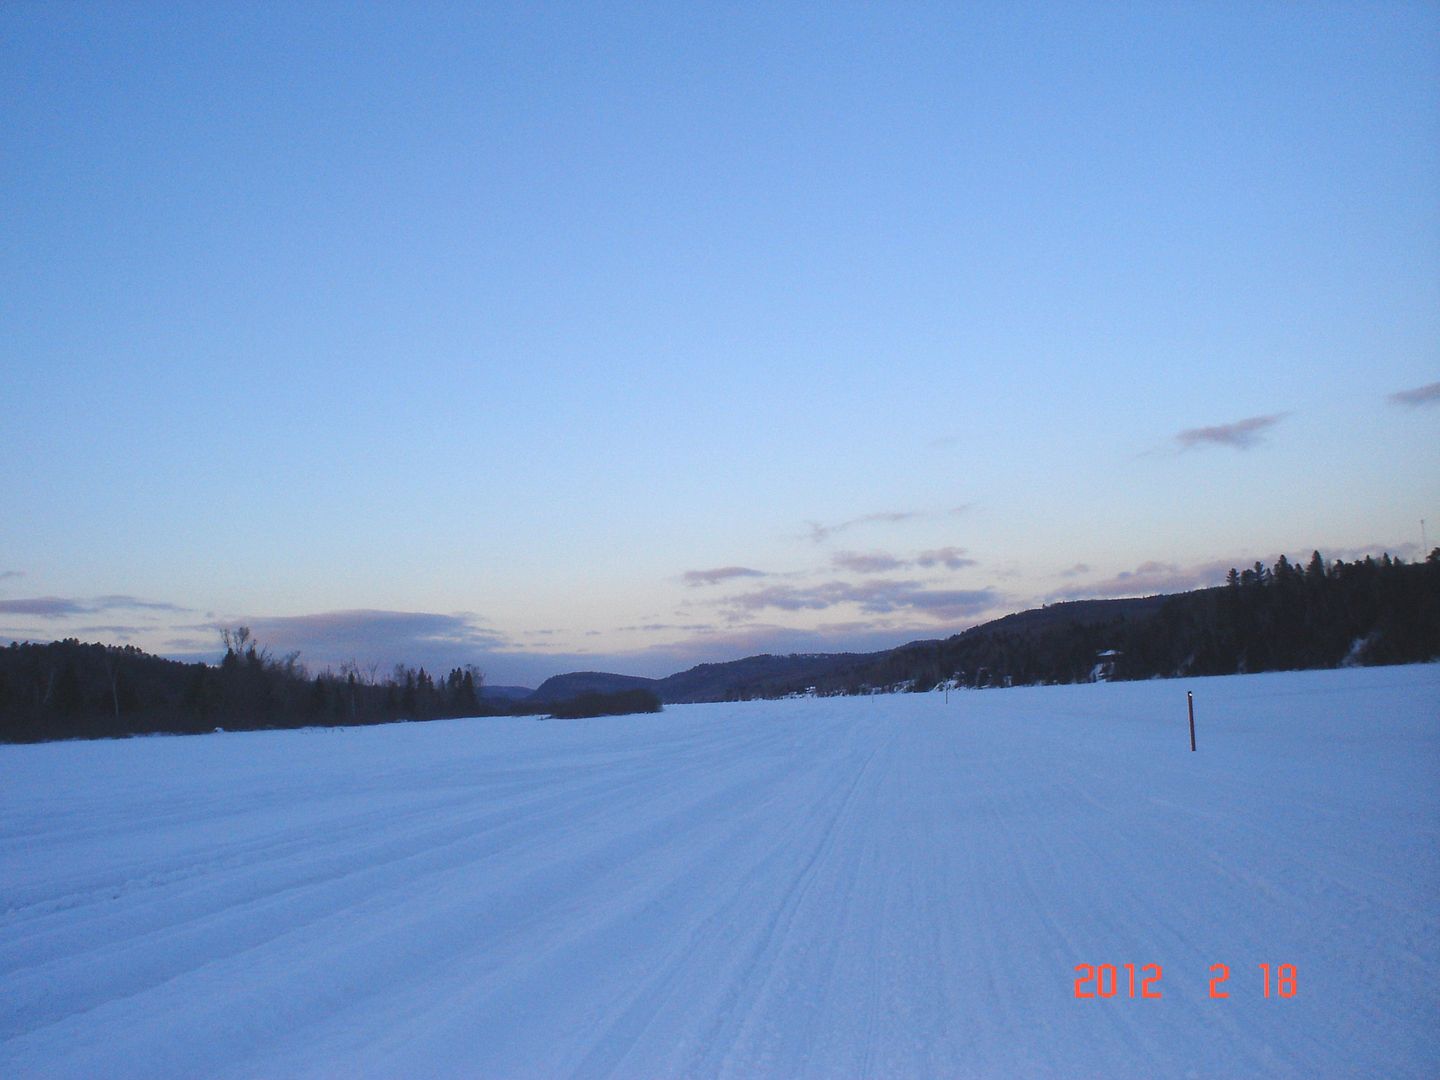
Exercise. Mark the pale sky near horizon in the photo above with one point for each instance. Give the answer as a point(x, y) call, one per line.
point(628, 337)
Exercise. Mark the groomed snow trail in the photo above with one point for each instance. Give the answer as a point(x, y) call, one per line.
point(886, 886)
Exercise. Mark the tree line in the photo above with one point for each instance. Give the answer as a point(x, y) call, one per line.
point(69, 689)
point(1286, 617)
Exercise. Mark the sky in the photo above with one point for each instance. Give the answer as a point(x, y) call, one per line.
point(629, 337)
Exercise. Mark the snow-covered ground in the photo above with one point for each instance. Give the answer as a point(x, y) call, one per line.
point(880, 886)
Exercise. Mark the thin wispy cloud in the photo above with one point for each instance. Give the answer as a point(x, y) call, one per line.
point(109, 603)
point(1428, 394)
point(44, 607)
point(952, 558)
point(656, 628)
point(942, 603)
point(696, 578)
point(1149, 579)
point(867, 562)
point(876, 597)
point(68, 606)
point(1152, 578)
point(820, 533)
point(187, 646)
point(1241, 435)
point(7, 575)
point(789, 598)
point(880, 562)
point(60, 607)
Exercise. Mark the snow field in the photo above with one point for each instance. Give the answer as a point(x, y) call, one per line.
point(886, 886)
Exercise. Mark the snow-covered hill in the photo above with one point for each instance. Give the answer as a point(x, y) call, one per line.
point(886, 886)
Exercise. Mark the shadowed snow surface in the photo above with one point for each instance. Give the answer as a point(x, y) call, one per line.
point(887, 886)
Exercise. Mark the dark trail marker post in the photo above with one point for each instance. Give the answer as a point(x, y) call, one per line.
point(1190, 700)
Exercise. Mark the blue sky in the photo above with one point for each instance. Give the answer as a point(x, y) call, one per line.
point(632, 336)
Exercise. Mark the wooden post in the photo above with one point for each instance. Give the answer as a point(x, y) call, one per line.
point(1190, 700)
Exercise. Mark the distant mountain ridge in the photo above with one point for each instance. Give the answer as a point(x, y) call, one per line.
point(574, 683)
point(769, 675)
point(704, 682)
point(1287, 618)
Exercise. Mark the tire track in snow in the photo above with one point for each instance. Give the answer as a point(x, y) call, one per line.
point(270, 899)
point(810, 888)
